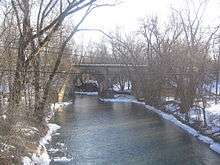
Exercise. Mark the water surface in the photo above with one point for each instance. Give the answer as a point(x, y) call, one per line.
point(123, 133)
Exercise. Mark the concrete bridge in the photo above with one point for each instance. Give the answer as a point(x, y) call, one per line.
point(107, 74)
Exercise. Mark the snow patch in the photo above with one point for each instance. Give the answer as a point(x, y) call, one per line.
point(127, 86)
point(215, 147)
point(214, 108)
point(56, 134)
point(54, 107)
point(188, 129)
point(59, 105)
point(93, 82)
point(26, 161)
point(138, 102)
point(39, 158)
point(42, 157)
point(213, 116)
point(52, 128)
point(4, 117)
point(206, 139)
point(119, 99)
point(53, 150)
point(62, 159)
point(172, 119)
point(87, 93)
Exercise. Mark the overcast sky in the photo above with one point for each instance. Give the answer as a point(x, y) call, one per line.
point(128, 14)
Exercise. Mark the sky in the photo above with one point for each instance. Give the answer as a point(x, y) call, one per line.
point(127, 15)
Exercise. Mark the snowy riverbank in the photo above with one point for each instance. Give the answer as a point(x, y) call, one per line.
point(87, 93)
point(119, 98)
point(209, 141)
point(41, 157)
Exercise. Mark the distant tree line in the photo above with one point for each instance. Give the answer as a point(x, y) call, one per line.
point(181, 58)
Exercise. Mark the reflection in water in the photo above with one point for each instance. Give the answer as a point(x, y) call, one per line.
point(94, 133)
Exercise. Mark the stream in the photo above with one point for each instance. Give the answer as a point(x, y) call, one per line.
point(122, 133)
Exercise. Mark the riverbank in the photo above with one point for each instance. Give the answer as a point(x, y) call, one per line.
point(87, 93)
point(213, 145)
point(41, 156)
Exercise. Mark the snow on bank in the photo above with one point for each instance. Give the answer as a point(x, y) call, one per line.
point(58, 105)
point(87, 93)
point(215, 147)
point(206, 139)
point(214, 109)
point(54, 107)
point(62, 159)
point(41, 157)
point(213, 116)
point(93, 82)
point(127, 86)
point(119, 99)
point(172, 119)
point(52, 129)
point(212, 145)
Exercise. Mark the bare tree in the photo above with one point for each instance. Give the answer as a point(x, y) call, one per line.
point(28, 30)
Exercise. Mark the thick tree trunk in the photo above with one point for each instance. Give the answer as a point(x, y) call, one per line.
point(216, 87)
point(40, 109)
point(17, 86)
point(36, 65)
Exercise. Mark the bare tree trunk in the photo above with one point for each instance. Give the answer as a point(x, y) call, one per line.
point(203, 111)
point(36, 82)
point(217, 78)
point(216, 87)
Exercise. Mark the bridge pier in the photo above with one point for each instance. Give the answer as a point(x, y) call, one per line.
point(105, 85)
point(72, 88)
point(105, 91)
point(137, 89)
